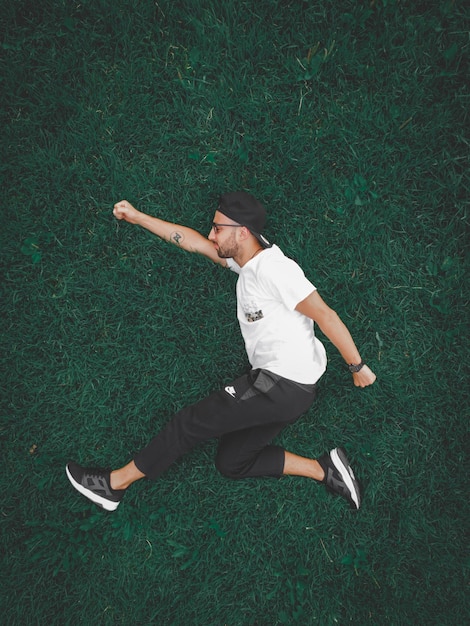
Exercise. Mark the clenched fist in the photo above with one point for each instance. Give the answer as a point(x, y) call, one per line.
point(125, 211)
point(364, 377)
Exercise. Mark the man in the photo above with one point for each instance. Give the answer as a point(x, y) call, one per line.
point(276, 308)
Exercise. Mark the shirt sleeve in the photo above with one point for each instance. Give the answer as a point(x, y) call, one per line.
point(288, 283)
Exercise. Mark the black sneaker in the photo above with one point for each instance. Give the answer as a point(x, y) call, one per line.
point(339, 477)
point(95, 485)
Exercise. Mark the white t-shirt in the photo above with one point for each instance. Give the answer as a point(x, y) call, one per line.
point(277, 337)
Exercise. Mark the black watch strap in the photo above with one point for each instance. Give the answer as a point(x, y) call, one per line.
point(356, 368)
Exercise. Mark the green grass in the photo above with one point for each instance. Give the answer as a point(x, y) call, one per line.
point(350, 121)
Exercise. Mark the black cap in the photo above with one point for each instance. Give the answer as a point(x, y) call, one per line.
point(243, 208)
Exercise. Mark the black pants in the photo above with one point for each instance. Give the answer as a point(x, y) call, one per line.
point(246, 416)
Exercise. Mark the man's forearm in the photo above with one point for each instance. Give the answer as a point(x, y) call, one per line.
point(181, 236)
point(332, 327)
point(337, 332)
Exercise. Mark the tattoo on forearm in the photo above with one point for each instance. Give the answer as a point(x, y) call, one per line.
point(177, 238)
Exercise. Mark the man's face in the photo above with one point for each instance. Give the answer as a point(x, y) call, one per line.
point(224, 235)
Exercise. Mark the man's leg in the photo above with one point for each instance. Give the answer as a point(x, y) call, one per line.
point(247, 453)
point(255, 400)
point(295, 465)
point(186, 429)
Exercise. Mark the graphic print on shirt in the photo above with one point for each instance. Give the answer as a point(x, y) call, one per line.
point(252, 312)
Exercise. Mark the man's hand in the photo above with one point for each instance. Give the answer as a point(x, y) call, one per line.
point(364, 377)
point(125, 211)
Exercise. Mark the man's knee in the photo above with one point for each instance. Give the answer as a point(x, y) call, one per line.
point(229, 467)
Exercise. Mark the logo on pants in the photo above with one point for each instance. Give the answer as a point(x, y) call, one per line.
point(231, 391)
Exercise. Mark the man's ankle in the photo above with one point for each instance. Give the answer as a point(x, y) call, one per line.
point(122, 478)
point(116, 481)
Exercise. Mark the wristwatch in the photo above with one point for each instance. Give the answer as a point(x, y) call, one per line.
point(356, 368)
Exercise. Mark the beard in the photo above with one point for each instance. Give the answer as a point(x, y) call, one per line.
point(229, 249)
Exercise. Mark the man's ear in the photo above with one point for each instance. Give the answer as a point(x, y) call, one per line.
point(244, 233)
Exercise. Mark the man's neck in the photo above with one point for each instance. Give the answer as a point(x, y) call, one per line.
point(247, 254)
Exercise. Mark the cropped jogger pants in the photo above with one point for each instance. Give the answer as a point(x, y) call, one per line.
point(245, 416)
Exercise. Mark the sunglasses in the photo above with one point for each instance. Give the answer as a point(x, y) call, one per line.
point(216, 227)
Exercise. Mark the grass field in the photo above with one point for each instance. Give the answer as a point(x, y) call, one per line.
point(350, 121)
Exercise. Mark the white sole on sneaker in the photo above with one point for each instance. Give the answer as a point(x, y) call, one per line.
point(108, 505)
point(346, 474)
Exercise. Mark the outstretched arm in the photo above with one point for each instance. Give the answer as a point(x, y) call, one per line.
point(331, 325)
point(181, 236)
